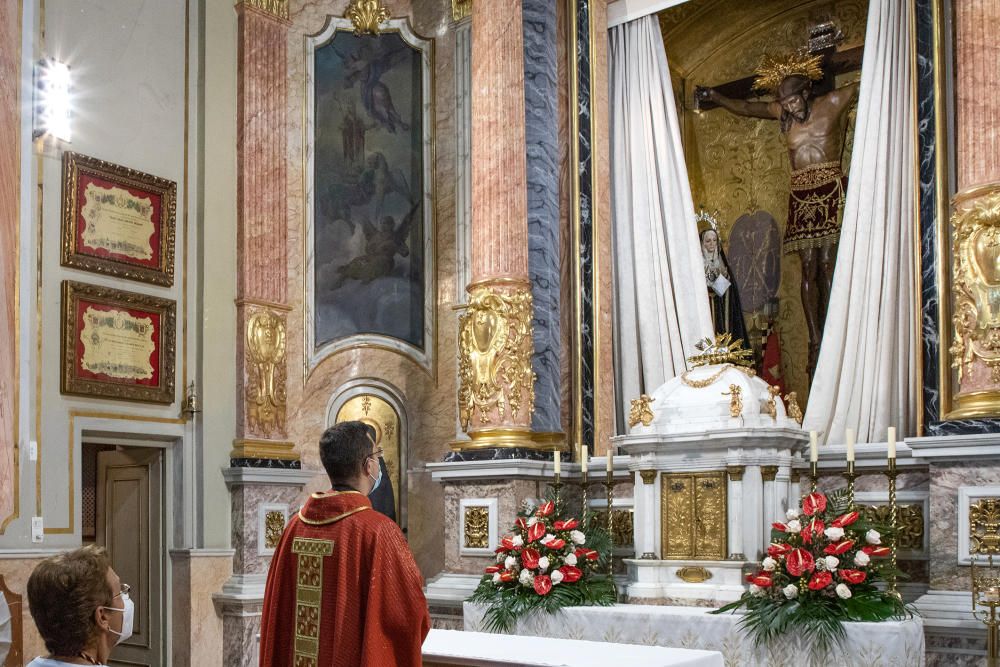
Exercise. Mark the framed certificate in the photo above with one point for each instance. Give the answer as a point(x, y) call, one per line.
point(117, 344)
point(117, 221)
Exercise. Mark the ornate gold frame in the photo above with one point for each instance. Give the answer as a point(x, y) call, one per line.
point(73, 165)
point(166, 343)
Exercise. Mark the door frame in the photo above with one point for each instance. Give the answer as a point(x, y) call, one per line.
point(179, 525)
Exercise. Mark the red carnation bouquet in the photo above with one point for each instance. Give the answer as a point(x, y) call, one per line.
point(547, 562)
point(820, 571)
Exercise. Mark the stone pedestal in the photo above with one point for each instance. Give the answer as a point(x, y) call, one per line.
point(261, 504)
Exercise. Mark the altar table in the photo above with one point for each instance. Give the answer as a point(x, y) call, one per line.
point(886, 644)
point(477, 649)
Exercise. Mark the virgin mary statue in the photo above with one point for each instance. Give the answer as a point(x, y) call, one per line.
point(723, 296)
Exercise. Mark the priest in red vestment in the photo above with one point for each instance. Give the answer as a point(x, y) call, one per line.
point(343, 588)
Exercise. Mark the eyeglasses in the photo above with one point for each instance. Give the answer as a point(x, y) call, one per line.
point(377, 453)
point(126, 589)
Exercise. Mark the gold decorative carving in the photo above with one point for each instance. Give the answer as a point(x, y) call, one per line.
point(309, 597)
point(984, 526)
point(367, 16)
point(276, 8)
point(772, 401)
point(266, 374)
point(263, 449)
point(735, 394)
point(622, 528)
point(460, 9)
point(640, 411)
point(378, 413)
point(768, 473)
point(795, 476)
point(648, 476)
point(909, 520)
point(694, 515)
point(495, 345)
point(694, 574)
point(274, 525)
point(701, 384)
point(736, 472)
point(976, 289)
point(477, 527)
point(723, 349)
point(792, 407)
point(773, 69)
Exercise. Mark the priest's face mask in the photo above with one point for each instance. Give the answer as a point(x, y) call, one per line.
point(793, 96)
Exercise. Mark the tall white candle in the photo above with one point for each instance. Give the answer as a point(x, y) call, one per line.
point(813, 446)
point(611, 460)
point(850, 444)
point(584, 455)
point(556, 461)
point(892, 442)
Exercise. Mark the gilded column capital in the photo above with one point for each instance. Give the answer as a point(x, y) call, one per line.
point(460, 9)
point(648, 476)
point(274, 8)
point(768, 473)
point(796, 475)
point(736, 473)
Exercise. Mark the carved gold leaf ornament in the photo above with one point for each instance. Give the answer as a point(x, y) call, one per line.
point(622, 525)
point(984, 526)
point(495, 346)
point(274, 525)
point(976, 262)
point(266, 374)
point(735, 395)
point(693, 513)
point(772, 401)
point(909, 522)
point(477, 527)
point(640, 412)
point(367, 16)
point(792, 407)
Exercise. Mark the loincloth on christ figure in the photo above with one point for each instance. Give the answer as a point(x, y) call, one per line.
point(814, 204)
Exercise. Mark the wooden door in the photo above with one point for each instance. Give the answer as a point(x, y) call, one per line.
point(130, 526)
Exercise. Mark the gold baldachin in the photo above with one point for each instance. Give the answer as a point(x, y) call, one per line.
point(975, 228)
point(266, 372)
point(640, 412)
point(367, 16)
point(477, 527)
point(495, 345)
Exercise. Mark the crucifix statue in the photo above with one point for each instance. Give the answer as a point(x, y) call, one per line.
point(814, 125)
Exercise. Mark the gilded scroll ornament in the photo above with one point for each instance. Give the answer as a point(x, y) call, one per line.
point(976, 290)
point(984, 526)
point(274, 525)
point(495, 345)
point(735, 395)
point(792, 406)
point(622, 528)
point(640, 412)
point(367, 16)
point(266, 375)
point(909, 520)
point(477, 527)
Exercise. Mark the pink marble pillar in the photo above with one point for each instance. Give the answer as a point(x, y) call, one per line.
point(977, 108)
point(262, 231)
point(10, 181)
point(497, 393)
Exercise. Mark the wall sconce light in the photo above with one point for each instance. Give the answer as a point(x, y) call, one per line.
point(53, 88)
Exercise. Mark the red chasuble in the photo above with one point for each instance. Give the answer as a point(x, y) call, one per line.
point(342, 590)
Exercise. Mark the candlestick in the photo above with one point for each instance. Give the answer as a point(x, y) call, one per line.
point(609, 486)
point(611, 460)
point(893, 520)
point(555, 460)
point(813, 475)
point(813, 446)
point(989, 598)
point(850, 445)
point(583, 459)
point(892, 442)
point(851, 476)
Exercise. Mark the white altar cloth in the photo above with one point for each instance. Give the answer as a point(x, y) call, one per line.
point(478, 649)
point(886, 644)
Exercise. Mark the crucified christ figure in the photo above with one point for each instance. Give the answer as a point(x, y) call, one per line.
point(814, 128)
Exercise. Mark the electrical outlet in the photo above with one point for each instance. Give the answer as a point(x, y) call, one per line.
point(32, 450)
point(37, 530)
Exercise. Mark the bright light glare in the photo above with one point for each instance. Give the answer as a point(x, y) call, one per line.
point(53, 102)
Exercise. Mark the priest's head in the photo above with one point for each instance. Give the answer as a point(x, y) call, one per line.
point(350, 456)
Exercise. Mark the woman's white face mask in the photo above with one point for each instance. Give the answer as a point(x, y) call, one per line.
point(128, 614)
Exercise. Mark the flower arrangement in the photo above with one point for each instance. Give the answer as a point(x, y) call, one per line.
point(547, 563)
point(820, 571)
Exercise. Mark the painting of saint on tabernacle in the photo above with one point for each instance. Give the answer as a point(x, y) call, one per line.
point(368, 189)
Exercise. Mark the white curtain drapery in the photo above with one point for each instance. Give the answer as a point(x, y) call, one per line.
point(866, 376)
point(661, 307)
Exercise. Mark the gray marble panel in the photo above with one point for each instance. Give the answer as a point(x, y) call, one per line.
point(542, 137)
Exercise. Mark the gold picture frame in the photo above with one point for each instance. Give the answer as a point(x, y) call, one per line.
point(117, 344)
point(117, 221)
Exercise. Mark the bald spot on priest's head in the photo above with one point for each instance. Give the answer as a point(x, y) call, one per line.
point(343, 449)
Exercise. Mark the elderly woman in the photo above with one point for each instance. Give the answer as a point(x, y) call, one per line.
point(723, 295)
point(80, 606)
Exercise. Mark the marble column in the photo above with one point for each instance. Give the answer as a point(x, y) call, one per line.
point(754, 537)
point(496, 393)
point(261, 203)
point(735, 511)
point(647, 515)
point(769, 511)
point(782, 483)
point(975, 206)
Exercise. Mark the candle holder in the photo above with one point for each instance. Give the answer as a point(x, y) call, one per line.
point(986, 593)
point(850, 475)
point(584, 483)
point(893, 521)
point(556, 485)
point(813, 476)
point(609, 487)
